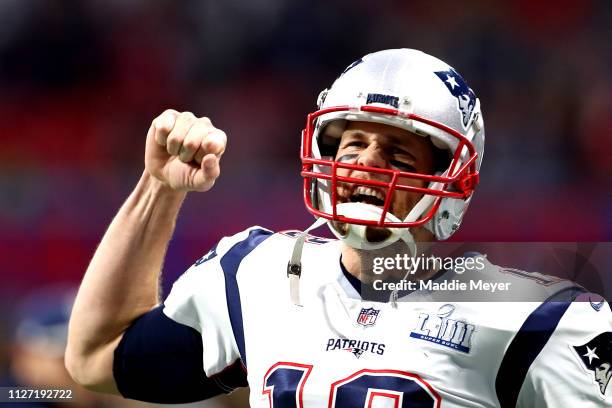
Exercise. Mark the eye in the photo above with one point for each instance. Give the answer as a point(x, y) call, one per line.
point(403, 166)
point(402, 160)
point(355, 143)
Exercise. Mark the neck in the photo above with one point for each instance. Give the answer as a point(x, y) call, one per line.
point(362, 263)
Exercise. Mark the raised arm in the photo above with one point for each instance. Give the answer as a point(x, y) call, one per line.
point(122, 281)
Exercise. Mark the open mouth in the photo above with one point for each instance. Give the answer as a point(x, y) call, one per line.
point(367, 195)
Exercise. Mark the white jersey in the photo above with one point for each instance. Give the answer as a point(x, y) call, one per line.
point(337, 350)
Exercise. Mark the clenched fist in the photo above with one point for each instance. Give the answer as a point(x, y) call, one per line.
point(183, 151)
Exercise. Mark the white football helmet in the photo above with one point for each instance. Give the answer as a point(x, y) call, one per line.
point(413, 91)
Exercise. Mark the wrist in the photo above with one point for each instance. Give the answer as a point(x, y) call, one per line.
point(156, 188)
point(152, 198)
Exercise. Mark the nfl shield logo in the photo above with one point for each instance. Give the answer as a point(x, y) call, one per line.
point(367, 317)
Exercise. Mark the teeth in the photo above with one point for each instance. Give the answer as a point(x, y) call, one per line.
point(370, 192)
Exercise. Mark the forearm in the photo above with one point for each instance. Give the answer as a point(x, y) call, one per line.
point(122, 280)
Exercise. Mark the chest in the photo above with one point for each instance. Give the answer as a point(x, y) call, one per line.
point(336, 352)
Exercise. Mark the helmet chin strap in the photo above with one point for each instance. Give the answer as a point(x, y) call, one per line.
point(294, 267)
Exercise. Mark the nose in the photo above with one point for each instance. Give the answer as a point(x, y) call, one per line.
point(372, 156)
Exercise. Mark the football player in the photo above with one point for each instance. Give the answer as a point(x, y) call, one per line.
point(390, 161)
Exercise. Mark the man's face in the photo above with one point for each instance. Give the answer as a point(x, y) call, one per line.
point(386, 147)
point(602, 376)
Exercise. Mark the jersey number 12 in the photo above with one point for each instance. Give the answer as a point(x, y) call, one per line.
point(284, 385)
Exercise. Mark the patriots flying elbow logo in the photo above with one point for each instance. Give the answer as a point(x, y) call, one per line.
point(596, 357)
point(466, 98)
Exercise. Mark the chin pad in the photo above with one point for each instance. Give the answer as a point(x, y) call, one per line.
point(357, 235)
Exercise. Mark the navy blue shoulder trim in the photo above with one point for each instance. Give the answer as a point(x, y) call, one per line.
point(525, 348)
point(230, 262)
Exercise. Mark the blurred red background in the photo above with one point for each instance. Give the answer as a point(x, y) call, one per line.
point(80, 82)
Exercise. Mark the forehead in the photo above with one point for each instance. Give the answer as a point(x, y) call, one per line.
point(383, 132)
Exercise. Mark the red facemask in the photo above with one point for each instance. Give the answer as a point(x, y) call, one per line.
point(458, 181)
